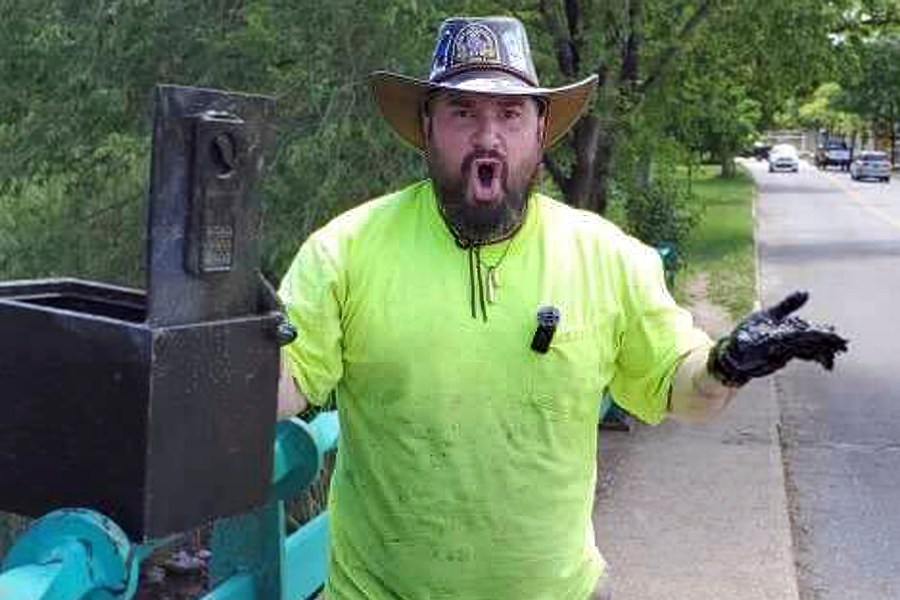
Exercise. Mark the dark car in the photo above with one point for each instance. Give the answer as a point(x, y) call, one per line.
point(760, 151)
point(832, 154)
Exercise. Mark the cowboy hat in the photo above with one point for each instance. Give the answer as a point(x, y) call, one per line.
point(486, 55)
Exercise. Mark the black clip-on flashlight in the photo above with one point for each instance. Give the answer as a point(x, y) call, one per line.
point(547, 320)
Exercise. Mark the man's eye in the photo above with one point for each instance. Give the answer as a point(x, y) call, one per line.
point(512, 114)
point(462, 113)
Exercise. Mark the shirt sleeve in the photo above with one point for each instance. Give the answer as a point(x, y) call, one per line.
point(312, 292)
point(657, 335)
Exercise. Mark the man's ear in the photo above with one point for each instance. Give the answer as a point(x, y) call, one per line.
point(543, 118)
point(542, 129)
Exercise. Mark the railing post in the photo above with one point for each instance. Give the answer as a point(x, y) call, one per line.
point(287, 568)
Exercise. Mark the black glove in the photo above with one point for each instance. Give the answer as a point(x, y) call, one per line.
point(766, 340)
point(285, 332)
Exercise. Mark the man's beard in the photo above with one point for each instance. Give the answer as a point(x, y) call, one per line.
point(476, 223)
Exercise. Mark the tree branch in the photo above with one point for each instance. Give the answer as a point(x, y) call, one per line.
point(613, 39)
point(668, 56)
point(573, 17)
point(91, 216)
point(565, 51)
point(880, 20)
point(634, 40)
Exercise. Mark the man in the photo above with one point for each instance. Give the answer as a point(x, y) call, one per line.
point(469, 326)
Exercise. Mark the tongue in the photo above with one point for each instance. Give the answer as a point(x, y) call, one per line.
point(484, 184)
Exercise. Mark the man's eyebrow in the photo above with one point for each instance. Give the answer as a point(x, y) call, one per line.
point(457, 100)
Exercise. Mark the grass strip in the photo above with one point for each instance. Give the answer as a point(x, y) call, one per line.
point(721, 246)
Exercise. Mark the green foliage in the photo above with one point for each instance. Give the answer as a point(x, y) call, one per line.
point(65, 223)
point(75, 107)
point(743, 70)
point(648, 198)
point(663, 211)
point(75, 112)
point(823, 111)
point(76, 84)
point(874, 91)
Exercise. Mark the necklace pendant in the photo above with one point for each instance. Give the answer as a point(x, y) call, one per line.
point(492, 285)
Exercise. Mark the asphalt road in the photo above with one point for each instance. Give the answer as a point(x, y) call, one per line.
point(840, 431)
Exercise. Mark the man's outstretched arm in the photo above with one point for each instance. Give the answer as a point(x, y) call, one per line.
point(761, 344)
point(696, 395)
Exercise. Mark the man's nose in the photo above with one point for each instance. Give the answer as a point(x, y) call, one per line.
point(487, 133)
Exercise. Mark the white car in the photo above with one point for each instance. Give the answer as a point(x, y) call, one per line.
point(875, 165)
point(783, 157)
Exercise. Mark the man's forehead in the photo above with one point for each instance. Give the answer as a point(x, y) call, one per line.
point(457, 98)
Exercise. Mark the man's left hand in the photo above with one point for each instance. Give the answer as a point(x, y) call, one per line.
point(768, 339)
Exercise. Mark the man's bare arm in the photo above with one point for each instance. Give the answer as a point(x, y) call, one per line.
point(291, 400)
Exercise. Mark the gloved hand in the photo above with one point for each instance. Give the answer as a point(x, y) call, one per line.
point(286, 332)
point(766, 340)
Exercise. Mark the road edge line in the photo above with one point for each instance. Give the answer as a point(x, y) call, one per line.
point(775, 429)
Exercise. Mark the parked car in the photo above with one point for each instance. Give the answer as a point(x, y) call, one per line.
point(760, 151)
point(783, 157)
point(869, 164)
point(834, 153)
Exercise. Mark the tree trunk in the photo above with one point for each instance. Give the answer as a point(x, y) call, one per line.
point(605, 165)
point(621, 88)
point(893, 126)
point(643, 172)
point(585, 142)
point(893, 143)
point(729, 169)
point(690, 175)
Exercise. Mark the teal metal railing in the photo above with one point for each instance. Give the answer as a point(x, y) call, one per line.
point(75, 554)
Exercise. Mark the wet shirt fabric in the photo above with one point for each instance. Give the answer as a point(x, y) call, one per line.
point(466, 462)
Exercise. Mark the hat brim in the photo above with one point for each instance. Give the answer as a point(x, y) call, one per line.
point(401, 99)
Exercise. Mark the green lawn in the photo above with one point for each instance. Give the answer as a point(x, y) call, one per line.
point(722, 244)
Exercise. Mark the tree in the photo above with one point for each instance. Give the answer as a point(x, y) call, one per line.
point(611, 40)
point(75, 107)
point(643, 51)
point(874, 93)
point(823, 112)
point(749, 67)
point(77, 75)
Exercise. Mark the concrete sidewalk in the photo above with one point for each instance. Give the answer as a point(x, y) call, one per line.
point(698, 512)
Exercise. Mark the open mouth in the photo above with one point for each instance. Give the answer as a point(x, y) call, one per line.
point(486, 179)
point(485, 174)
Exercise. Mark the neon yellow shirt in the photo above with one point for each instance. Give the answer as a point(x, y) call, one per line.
point(466, 462)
